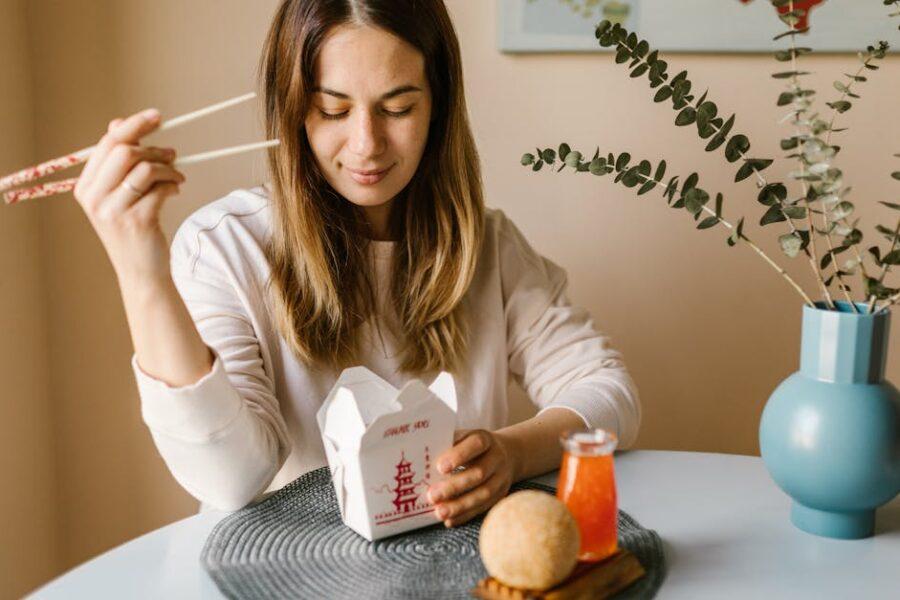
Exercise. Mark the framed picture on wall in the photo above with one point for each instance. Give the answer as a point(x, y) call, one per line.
point(690, 25)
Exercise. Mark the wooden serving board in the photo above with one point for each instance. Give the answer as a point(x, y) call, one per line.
point(588, 581)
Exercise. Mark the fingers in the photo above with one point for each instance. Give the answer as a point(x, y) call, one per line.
point(472, 504)
point(471, 446)
point(460, 434)
point(469, 478)
point(135, 127)
point(122, 159)
point(128, 130)
point(143, 177)
point(145, 211)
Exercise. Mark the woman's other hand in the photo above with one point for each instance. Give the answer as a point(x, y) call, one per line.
point(489, 469)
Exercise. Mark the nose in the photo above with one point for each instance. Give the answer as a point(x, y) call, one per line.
point(366, 139)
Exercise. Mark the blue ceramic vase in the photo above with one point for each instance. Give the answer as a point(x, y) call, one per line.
point(830, 433)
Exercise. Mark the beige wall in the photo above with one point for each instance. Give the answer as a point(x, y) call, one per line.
point(27, 500)
point(708, 331)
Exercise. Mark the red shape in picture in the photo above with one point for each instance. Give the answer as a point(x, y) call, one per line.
point(804, 5)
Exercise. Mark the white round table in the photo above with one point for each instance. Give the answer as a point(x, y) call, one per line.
point(724, 523)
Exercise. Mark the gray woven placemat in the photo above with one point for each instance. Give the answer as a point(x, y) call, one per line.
point(294, 545)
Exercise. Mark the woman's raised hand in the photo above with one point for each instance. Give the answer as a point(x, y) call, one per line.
point(122, 189)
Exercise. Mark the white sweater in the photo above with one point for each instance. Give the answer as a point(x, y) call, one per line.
point(249, 425)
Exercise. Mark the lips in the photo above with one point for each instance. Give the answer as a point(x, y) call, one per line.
point(368, 177)
point(368, 172)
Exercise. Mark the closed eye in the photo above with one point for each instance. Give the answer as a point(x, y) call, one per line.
point(341, 115)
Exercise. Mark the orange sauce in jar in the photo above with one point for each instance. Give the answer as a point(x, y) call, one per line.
point(587, 487)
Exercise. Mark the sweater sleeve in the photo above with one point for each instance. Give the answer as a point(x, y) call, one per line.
point(555, 352)
point(222, 437)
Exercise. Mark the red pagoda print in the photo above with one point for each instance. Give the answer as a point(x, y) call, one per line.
point(408, 500)
point(405, 491)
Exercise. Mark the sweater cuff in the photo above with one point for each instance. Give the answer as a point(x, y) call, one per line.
point(195, 412)
point(589, 403)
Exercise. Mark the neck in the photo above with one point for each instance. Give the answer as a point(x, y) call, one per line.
point(378, 218)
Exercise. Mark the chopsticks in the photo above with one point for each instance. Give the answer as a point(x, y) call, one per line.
point(67, 185)
point(70, 160)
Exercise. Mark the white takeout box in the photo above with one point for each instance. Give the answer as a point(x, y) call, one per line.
point(381, 444)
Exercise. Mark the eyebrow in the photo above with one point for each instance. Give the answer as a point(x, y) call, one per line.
point(404, 89)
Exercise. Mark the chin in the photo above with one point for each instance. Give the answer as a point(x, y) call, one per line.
point(368, 196)
point(367, 200)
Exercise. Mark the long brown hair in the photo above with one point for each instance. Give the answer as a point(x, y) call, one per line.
point(319, 289)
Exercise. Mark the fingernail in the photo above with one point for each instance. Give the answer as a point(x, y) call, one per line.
point(434, 496)
point(444, 466)
point(443, 512)
point(151, 114)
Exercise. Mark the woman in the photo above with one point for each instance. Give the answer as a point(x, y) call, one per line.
point(371, 245)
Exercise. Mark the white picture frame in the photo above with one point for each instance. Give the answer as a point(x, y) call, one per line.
point(684, 25)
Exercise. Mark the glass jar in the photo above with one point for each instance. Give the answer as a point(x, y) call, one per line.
point(587, 486)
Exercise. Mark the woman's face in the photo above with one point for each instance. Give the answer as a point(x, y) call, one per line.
point(369, 116)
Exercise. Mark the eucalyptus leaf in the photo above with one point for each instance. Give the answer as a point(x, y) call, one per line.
point(785, 98)
point(773, 215)
point(687, 116)
point(640, 70)
point(789, 32)
point(631, 177)
point(789, 74)
point(794, 212)
point(708, 222)
point(663, 94)
point(744, 172)
point(842, 211)
point(841, 106)
point(875, 251)
point(790, 244)
point(695, 199)
point(772, 194)
point(737, 147)
point(660, 171)
point(690, 182)
point(648, 185)
point(644, 168)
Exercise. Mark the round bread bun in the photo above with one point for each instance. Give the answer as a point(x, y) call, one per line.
point(529, 540)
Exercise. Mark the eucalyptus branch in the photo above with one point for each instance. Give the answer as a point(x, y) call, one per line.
point(691, 197)
point(817, 178)
point(888, 260)
point(889, 302)
point(703, 113)
point(842, 105)
point(801, 105)
point(886, 263)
